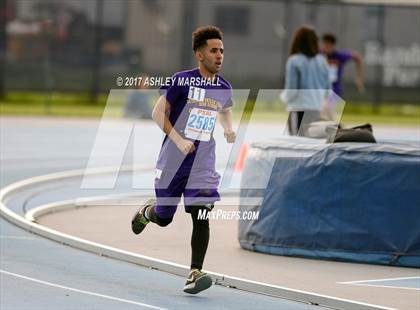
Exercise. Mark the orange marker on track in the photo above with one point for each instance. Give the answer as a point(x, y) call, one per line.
point(240, 161)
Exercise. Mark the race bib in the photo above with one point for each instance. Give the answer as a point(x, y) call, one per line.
point(196, 93)
point(333, 73)
point(200, 124)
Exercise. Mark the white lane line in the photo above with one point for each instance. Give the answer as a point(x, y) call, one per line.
point(383, 286)
point(372, 283)
point(17, 237)
point(378, 280)
point(80, 291)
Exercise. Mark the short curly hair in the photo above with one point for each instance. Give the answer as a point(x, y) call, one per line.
point(330, 38)
point(202, 34)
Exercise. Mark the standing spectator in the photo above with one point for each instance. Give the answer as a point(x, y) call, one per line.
point(307, 83)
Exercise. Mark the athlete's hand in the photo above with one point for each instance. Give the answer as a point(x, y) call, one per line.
point(230, 136)
point(185, 146)
point(360, 84)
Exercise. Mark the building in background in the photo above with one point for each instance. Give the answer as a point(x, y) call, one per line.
point(93, 41)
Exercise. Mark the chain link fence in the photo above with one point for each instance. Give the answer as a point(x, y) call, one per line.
point(82, 46)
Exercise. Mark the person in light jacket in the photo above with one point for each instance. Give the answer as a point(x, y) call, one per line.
point(307, 82)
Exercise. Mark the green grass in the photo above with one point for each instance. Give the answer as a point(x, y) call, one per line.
point(54, 104)
point(81, 105)
point(349, 119)
point(64, 110)
point(54, 98)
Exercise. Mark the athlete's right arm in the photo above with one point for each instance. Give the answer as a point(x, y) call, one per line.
point(160, 116)
point(359, 71)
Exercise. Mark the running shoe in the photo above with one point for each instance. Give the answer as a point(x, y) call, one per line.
point(139, 221)
point(197, 281)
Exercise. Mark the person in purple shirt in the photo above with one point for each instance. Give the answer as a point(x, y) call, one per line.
point(186, 111)
point(336, 61)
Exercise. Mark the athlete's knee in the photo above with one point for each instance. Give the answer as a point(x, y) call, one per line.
point(199, 215)
point(163, 221)
point(155, 218)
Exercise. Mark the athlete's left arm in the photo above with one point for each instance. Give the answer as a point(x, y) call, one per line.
point(358, 60)
point(225, 118)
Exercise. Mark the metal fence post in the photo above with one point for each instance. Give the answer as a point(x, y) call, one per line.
point(3, 47)
point(379, 69)
point(97, 52)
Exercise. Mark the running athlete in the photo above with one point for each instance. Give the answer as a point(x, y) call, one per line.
point(186, 112)
point(337, 59)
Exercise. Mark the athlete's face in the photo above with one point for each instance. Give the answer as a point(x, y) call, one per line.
point(211, 55)
point(327, 47)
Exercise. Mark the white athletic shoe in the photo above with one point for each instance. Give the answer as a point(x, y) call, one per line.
point(197, 281)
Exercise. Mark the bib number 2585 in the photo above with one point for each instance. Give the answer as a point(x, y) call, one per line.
point(200, 124)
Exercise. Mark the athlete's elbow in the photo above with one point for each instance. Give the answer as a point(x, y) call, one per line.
point(155, 114)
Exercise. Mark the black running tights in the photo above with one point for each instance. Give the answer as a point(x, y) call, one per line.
point(200, 236)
